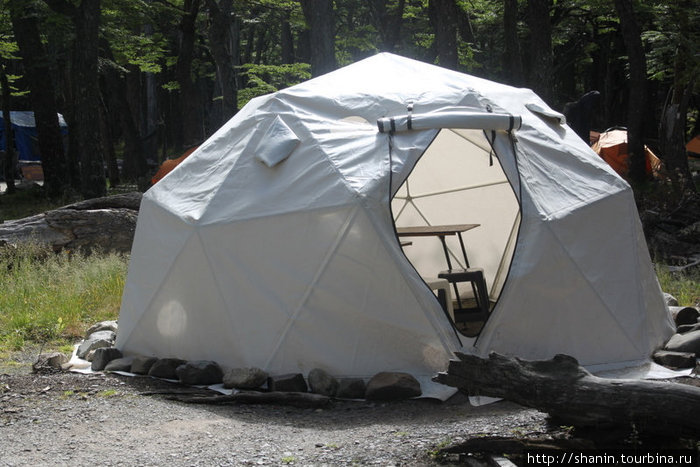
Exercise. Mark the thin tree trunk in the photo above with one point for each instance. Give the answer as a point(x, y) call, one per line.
point(41, 87)
point(189, 102)
point(319, 16)
point(444, 18)
point(672, 126)
point(287, 39)
point(541, 59)
point(636, 106)
point(127, 90)
point(86, 93)
point(224, 38)
point(9, 162)
point(87, 99)
point(260, 45)
point(387, 22)
point(512, 61)
point(108, 145)
point(672, 142)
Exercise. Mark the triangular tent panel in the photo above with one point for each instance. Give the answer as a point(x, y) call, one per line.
point(275, 245)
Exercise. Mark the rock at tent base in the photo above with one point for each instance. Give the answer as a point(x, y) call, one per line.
point(200, 372)
point(120, 364)
point(245, 378)
point(392, 386)
point(688, 342)
point(165, 368)
point(351, 388)
point(141, 365)
point(322, 383)
point(102, 326)
point(96, 340)
point(103, 356)
point(674, 359)
point(293, 382)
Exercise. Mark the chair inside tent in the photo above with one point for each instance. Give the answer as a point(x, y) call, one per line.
point(459, 180)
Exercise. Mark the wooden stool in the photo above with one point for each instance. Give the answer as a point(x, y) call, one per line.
point(444, 296)
point(475, 276)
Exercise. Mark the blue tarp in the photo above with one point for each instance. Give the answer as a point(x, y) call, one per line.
point(25, 134)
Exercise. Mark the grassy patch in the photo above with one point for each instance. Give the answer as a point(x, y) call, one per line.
point(684, 286)
point(53, 298)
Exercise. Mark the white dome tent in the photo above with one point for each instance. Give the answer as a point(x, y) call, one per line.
point(274, 244)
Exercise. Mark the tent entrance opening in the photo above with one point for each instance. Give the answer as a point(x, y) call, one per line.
point(459, 181)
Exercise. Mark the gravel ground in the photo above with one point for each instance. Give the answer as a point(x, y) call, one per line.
point(74, 419)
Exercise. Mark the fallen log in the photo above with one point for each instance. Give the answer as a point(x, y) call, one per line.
point(106, 224)
point(575, 397)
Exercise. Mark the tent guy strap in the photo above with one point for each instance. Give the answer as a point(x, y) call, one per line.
point(449, 119)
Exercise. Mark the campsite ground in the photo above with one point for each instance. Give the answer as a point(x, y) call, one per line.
point(68, 418)
point(105, 419)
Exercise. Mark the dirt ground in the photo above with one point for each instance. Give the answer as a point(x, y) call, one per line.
point(106, 419)
point(69, 418)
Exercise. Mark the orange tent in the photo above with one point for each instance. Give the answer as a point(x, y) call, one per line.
point(693, 145)
point(170, 164)
point(612, 147)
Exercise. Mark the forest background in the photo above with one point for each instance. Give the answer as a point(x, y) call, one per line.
point(139, 81)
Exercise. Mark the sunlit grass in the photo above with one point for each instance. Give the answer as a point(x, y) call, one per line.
point(48, 297)
point(684, 286)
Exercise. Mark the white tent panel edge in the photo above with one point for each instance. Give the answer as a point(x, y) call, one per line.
point(158, 240)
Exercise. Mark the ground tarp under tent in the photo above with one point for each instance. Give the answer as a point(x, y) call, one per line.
point(274, 244)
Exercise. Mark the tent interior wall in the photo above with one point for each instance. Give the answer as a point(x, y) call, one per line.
point(460, 180)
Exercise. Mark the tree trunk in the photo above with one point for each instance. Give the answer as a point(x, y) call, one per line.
point(108, 145)
point(573, 396)
point(260, 45)
point(87, 99)
point(8, 165)
point(512, 61)
point(189, 100)
point(387, 22)
point(127, 90)
point(86, 93)
point(41, 87)
point(287, 39)
point(444, 16)
point(672, 142)
point(636, 104)
point(672, 126)
point(541, 60)
point(319, 17)
point(224, 38)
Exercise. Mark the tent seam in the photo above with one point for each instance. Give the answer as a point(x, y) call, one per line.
point(307, 293)
point(590, 285)
point(160, 287)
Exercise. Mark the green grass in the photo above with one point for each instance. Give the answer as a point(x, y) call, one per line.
point(54, 298)
point(684, 286)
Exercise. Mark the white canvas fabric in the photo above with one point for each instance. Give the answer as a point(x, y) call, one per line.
point(281, 252)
